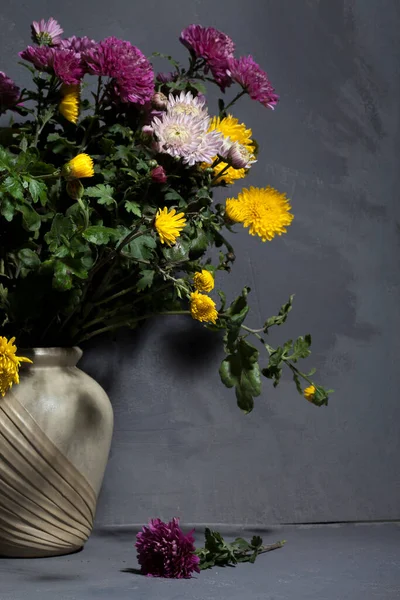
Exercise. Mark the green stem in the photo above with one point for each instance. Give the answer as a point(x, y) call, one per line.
point(128, 323)
point(218, 175)
point(236, 98)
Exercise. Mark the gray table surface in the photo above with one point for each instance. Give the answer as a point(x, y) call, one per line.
point(327, 562)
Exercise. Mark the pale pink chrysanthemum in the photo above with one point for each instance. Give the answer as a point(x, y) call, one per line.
point(77, 44)
point(165, 551)
point(46, 33)
point(131, 72)
point(253, 79)
point(212, 45)
point(186, 136)
point(239, 157)
point(187, 104)
point(65, 64)
point(9, 93)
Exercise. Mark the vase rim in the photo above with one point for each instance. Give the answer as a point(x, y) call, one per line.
point(53, 356)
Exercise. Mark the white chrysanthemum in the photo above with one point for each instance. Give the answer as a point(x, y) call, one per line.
point(239, 157)
point(186, 137)
point(187, 104)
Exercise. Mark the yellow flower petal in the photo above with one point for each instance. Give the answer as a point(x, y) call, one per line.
point(202, 308)
point(69, 105)
point(264, 210)
point(9, 364)
point(78, 167)
point(204, 281)
point(309, 393)
point(169, 225)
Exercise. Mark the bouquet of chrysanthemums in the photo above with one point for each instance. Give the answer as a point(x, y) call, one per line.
point(107, 176)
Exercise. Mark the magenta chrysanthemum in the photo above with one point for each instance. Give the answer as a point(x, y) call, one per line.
point(253, 79)
point(9, 93)
point(165, 551)
point(130, 70)
point(46, 33)
point(65, 64)
point(186, 136)
point(212, 45)
point(77, 44)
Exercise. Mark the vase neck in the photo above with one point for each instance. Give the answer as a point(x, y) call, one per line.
point(53, 357)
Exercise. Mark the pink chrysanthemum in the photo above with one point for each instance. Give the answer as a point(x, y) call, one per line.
point(65, 64)
point(187, 104)
point(212, 45)
point(130, 70)
point(46, 33)
point(186, 136)
point(9, 93)
point(77, 44)
point(165, 551)
point(253, 79)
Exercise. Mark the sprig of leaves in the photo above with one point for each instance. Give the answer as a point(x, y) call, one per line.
point(218, 552)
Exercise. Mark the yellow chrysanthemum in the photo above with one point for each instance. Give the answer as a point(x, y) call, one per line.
point(79, 167)
point(202, 308)
point(69, 105)
point(204, 281)
point(169, 225)
point(309, 393)
point(237, 132)
point(264, 210)
point(9, 364)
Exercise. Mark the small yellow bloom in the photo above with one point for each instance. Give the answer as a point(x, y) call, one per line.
point(69, 105)
point(202, 308)
point(9, 364)
point(264, 210)
point(309, 393)
point(169, 225)
point(236, 132)
point(204, 281)
point(79, 167)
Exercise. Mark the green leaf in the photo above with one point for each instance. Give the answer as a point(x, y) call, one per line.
point(100, 235)
point(133, 207)
point(146, 279)
point(7, 209)
point(38, 190)
point(6, 160)
point(200, 87)
point(13, 186)
point(103, 193)
point(30, 218)
point(65, 269)
point(301, 348)
point(141, 247)
point(241, 370)
point(29, 258)
point(62, 229)
point(174, 196)
point(166, 57)
point(179, 252)
point(281, 317)
point(125, 132)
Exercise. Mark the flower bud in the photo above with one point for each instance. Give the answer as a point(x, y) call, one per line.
point(239, 157)
point(159, 101)
point(158, 175)
point(75, 189)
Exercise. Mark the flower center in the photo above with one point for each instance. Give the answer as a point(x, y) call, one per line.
point(44, 38)
point(176, 135)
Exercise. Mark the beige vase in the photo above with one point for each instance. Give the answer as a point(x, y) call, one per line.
point(55, 436)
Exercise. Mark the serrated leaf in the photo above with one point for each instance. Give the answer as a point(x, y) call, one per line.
point(281, 317)
point(30, 218)
point(241, 370)
point(141, 248)
point(38, 190)
point(146, 279)
point(62, 228)
point(133, 207)
point(13, 186)
point(100, 235)
point(7, 209)
point(103, 193)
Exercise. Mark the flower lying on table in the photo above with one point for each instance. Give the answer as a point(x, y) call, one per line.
point(165, 551)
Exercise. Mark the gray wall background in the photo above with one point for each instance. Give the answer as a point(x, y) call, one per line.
point(181, 446)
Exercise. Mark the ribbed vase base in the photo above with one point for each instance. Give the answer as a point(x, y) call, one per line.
point(9, 551)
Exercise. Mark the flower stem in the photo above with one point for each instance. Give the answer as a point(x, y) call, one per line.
point(218, 175)
point(236, 98)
